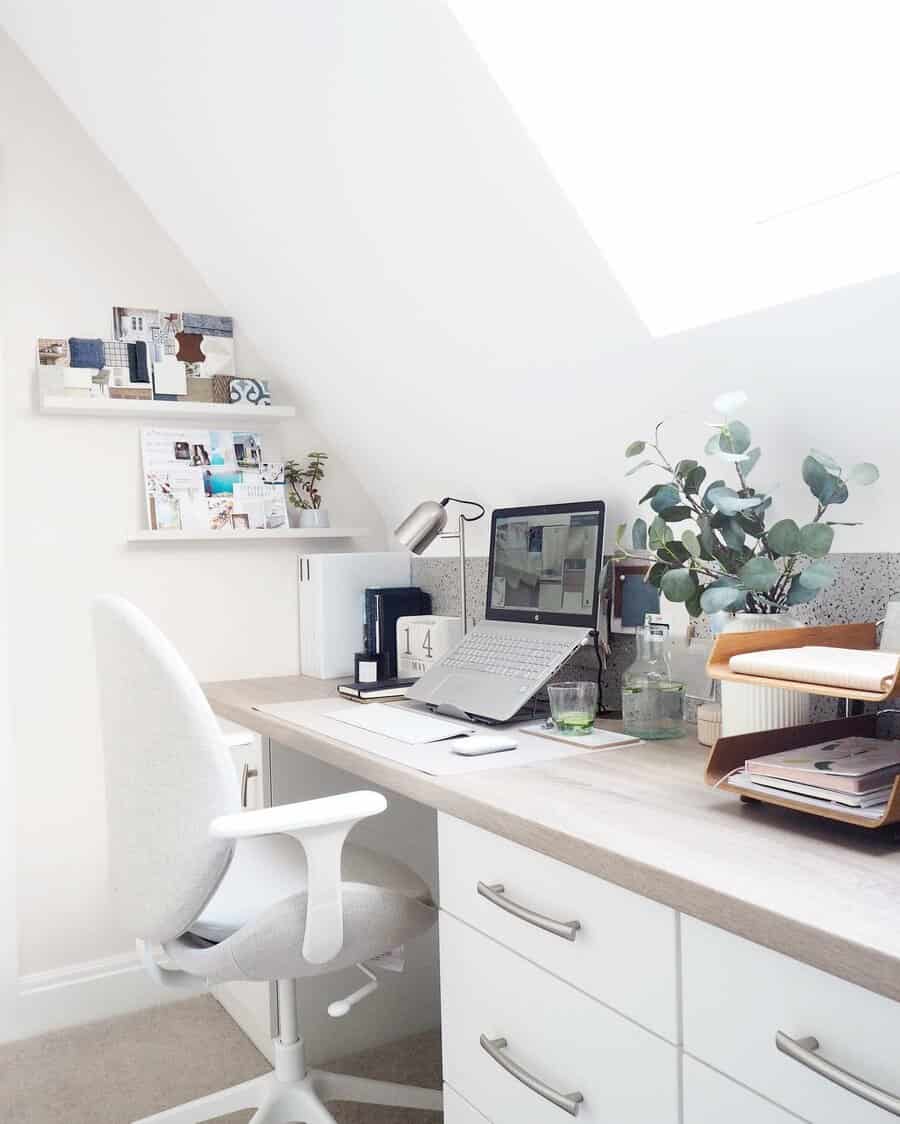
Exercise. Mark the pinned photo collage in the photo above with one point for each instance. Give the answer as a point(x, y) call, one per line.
point(219, 480)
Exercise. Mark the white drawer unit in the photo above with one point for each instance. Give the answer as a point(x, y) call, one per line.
point(615, 945)
point(457, 1109)
point(839, 1061)
point(523, 1047)
point(710, 1098)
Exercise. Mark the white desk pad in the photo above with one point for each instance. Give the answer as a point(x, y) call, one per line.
point(434, 758)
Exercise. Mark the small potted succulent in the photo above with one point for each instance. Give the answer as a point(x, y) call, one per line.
point(711, 547)
point(303, 489)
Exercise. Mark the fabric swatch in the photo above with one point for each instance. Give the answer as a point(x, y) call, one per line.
point(86, 353)
point(218, 354)
point(116, 353)
point(222, 388)
point(135, 393)
point(199, 390)
point(207, 325)
point(138, 366)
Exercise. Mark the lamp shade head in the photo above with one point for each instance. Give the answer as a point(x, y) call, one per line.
point(422, 526)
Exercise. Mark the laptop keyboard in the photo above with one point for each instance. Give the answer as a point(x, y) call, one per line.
point(507, 654)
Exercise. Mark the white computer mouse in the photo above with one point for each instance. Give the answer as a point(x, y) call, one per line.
point(477, 744)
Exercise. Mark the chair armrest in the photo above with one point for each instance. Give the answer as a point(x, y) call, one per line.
point(348, 807)
point(320, 827)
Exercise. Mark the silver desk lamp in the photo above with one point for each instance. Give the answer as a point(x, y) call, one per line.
point(425, 523)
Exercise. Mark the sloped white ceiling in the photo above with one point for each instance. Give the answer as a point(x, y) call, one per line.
point(745, 162)
point(350, 182)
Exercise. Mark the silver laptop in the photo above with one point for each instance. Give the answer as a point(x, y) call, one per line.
point(542, 598)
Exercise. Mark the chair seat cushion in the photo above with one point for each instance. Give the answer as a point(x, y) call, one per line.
point(268, 869)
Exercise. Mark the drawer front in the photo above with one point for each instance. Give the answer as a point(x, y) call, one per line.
point(624, 952)
point(549, 1033)
point(459, 1111)
point(710, 1098)
point(737, 995)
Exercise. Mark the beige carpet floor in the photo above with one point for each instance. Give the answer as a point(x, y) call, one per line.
point(117, 1071)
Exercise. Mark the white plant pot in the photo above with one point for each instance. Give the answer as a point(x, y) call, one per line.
point(746, 709)
point(314, 517)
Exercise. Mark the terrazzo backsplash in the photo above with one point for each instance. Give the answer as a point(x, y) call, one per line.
point(863, 586)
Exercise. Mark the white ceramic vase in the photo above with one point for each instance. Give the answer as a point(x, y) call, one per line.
point(314, 517)
point(746, 709)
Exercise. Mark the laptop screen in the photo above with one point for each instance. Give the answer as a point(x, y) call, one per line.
point(545, 563)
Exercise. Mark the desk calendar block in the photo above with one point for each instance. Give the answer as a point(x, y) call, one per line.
point(422, 641)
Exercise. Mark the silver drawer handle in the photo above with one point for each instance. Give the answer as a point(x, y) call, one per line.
point(803, 1050)
point(496, 895)
point(246, 774)
point(494, 1048)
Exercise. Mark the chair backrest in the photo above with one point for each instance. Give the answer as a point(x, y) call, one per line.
point(168, 773)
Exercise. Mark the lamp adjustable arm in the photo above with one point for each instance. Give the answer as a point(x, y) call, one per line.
point(460, 534)
point(320, 827)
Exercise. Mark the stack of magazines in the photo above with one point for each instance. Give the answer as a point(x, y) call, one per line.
point(853, 773)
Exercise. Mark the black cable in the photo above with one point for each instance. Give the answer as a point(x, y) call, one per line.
point(468, 503)
point(600, 706)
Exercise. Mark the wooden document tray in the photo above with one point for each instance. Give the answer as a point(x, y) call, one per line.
point(859, 636)
point(730, 753)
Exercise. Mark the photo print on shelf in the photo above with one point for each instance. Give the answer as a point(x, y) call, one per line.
point(200, 479)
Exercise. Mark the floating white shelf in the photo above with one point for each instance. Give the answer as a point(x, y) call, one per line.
point(249, 536)
point(132, 408)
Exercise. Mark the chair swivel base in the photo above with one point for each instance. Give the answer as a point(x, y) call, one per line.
point(283, 1097)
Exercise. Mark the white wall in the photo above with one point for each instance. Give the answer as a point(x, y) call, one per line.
point(77, 242)
point(8, 928)
point(439, 290)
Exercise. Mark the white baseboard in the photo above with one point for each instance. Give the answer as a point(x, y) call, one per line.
point(84, 993)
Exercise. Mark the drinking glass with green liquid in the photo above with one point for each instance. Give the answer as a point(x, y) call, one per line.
point(573, 706)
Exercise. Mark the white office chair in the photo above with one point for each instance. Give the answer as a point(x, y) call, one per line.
point(273, 894)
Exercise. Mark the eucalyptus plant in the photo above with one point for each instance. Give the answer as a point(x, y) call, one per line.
point(710, 543)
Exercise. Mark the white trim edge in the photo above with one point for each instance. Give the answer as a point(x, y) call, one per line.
point(84, 993)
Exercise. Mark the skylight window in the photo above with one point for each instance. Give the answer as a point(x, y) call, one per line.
point(723, 157)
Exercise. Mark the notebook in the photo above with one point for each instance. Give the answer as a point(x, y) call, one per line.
point(844, 668)
point(853, 764)
point(379, 689)
point(878, 796)
point(743, 782)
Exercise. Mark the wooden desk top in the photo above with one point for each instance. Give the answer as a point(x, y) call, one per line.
point(641, 817)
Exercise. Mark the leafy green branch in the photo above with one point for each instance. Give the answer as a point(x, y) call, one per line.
point(727, 558)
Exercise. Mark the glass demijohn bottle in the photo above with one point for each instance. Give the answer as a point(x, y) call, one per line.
point(652, 702)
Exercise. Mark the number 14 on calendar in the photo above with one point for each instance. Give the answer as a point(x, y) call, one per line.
point(422, 641)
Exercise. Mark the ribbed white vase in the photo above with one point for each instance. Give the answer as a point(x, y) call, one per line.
point(746, 709)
